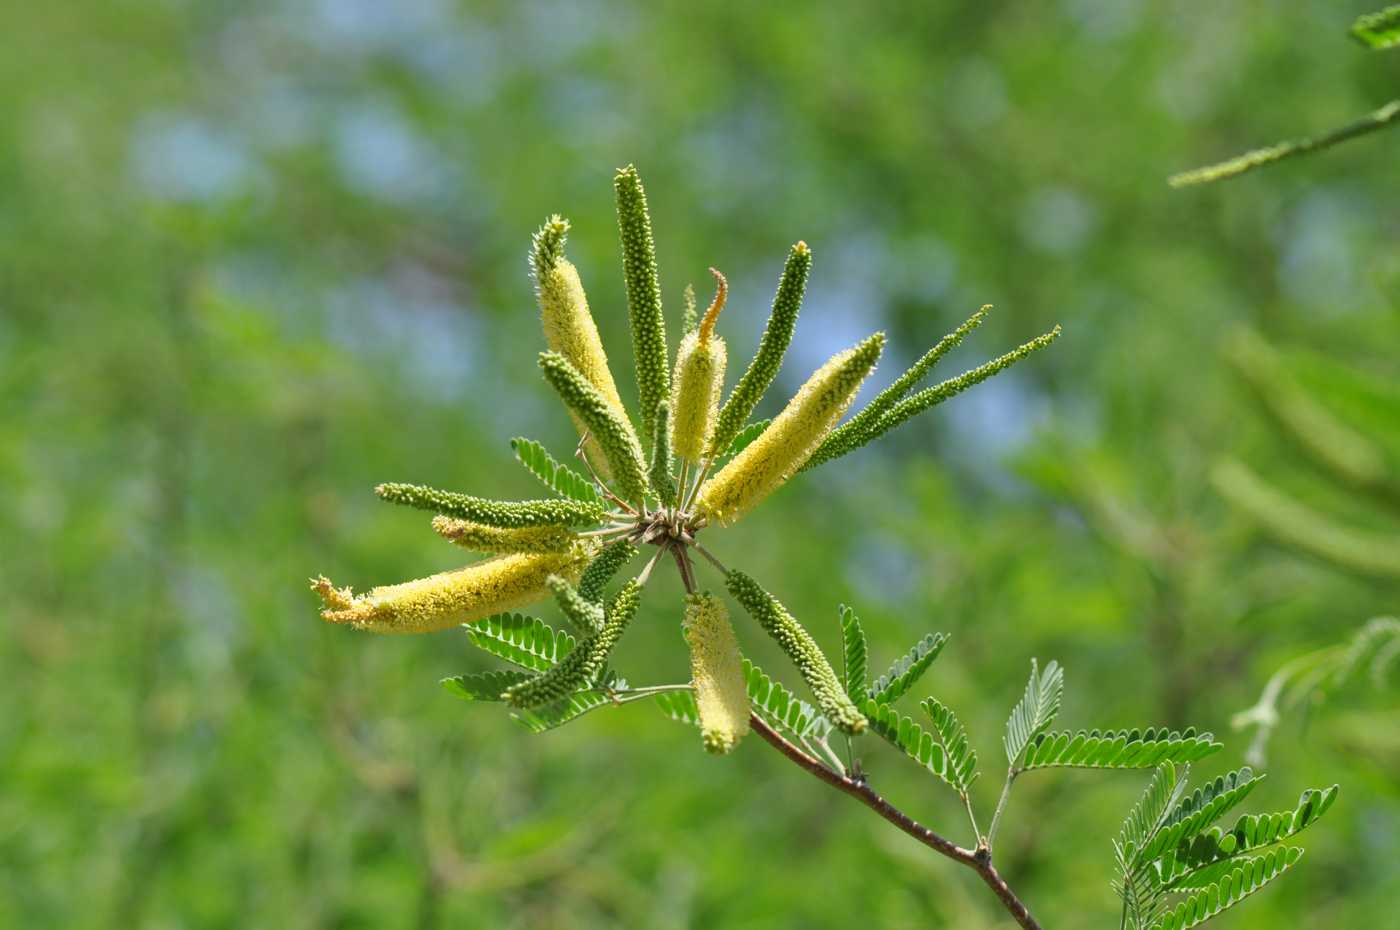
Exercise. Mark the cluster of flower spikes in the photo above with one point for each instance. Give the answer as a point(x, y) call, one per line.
point(708, 466)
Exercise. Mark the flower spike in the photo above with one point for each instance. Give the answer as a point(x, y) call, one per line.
point(699, 379)
point(582, 613)
point(614, 434)
point(440, 601)
point(716, 673)
point(843, 441)
point(478, 537)
point(772, 346)
point(503, 514)
point(585, 662)
point(779, 452)
point(800, 648)
point(662, 458)
point(569, 328)
point(643, 294)
point(602, 569)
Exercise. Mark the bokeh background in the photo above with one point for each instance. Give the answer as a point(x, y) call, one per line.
point(257, 257)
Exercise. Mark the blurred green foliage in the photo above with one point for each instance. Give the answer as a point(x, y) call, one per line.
point(256, 258)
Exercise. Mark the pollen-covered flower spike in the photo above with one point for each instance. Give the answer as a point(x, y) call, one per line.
point(505, 582)
point(772, 346)
point(891, 411)
point(503, 514)
point(782, 448)
point(568, 325)
point(698, 381)
point(716, 673)
point(585, 662)
point(614, 434)
point(801, 649)
point(604, 566)
point(494, 540)
point(643, 294)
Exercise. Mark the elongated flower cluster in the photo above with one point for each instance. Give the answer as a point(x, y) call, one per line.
point(716, 672)
point(690, 460)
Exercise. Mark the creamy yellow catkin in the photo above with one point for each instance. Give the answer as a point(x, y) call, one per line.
point(785, 445)
point(505, 582)
point(698, 381)
point(496, 540)
point(716, 672)
point(569, 330)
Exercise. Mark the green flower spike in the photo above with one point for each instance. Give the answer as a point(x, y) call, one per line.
point(781, 449)
point(585, 662)
point(888, 410)
point(662, 458)
point(716, 673)
point(614, 434)
point(503, 514)
point(772, 346)
point(800, 648)
point(569, 328)
point(478, 537)
point(602, 569)
point(643, 294)
point(582, 613)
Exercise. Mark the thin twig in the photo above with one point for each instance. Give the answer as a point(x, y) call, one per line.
point(713, 561)
point(1011, 774)
point(979, 860)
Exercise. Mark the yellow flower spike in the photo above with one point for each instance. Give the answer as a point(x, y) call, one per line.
point(698, 381)
point(495, 540)
point(794, 434)
point(505, 582)
point(716, 672)
point(568, 325)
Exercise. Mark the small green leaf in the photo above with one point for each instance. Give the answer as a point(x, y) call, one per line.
point(559, 478)
point(484, 686)
point(1035, 711)
point(853, 656)
point(1246, 877)
point(1117, 749)
point(1378, 30)
point(924, 747)
point(907, 669)
point(524, 641)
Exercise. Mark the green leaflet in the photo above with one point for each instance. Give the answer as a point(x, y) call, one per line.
point(907, 669)
point(926, 748)
point(569, 709)
point(1191, 859)
point(1247, 877)
point(961, 768)
point(613, 434)
point(1378, 30)
point(506, 514)
point(853, 657)
point(1035, 711)
point(772, 346)
point(602, 569)
point(1207, 804)
point(659, 473)
point(844, 440)
point(643, 295)
point(800, 648)
point(524, 641)
point(1117, 749)
point(585, 662)
point(559, 478)
point(1149, 812)
point(484, 686)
